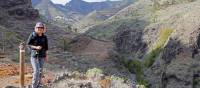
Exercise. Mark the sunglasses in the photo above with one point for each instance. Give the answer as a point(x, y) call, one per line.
point(40, 27)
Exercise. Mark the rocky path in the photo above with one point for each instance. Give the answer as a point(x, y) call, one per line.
point(9, 75)
point(66, 70)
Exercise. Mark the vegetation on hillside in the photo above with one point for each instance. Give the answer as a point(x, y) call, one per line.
point(138, 66)
point(107, 29)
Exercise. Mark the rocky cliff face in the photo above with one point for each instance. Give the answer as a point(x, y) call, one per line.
point(19, 9)
point(171, 46)
point(12, 10)
point(17, 18)
point(176, 66)
point(129, 41)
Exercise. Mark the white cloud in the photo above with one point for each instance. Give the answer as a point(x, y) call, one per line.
point(65, 1)
point(60, 1)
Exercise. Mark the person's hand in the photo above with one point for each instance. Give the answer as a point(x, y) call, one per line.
point(38, 47)
point(46, 59)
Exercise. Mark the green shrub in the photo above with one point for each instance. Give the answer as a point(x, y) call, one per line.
point(116, 78)
point(196, 82)
point(157, 47)
point(140, 86)
point(138, 67)
point(94, 72)
point(64, 43)
point(150, 57)
point(163, 37)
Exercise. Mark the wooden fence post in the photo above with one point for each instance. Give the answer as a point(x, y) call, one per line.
point(22, 64)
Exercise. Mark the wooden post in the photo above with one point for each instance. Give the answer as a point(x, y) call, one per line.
point(3, 45)
point(22, 64)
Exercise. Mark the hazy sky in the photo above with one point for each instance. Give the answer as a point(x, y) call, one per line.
point(65, 1)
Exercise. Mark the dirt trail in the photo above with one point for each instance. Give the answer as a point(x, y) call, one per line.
point(9, 75)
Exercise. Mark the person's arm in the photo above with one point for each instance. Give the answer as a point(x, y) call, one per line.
point(30, 43)
point(198, 42)
point(46, 47)
point(36, 47)
point(46, 58)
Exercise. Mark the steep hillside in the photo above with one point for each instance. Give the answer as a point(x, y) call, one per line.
point(159, 44)
point(56, 13)
point(107, 30)
point(142, 10)
point(74, 12)
point(47, 8)
point(17, 21)
point(83, 7)
point(99, 16)
point(93, 18)
point(12, 13)
point(179, 52)
point(149, 43)
point(136, 15)
point(73, 61)
point(19, 12)
point(164, 53)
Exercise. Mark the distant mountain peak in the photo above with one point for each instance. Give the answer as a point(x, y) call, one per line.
point(84, 7)
point(77, 1)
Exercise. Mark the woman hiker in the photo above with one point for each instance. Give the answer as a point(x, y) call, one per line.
point(38, 44)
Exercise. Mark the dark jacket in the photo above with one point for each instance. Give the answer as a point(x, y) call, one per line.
point(198, 41)
point(36, 40)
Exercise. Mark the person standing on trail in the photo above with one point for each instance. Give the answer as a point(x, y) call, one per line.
point(38, 45)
